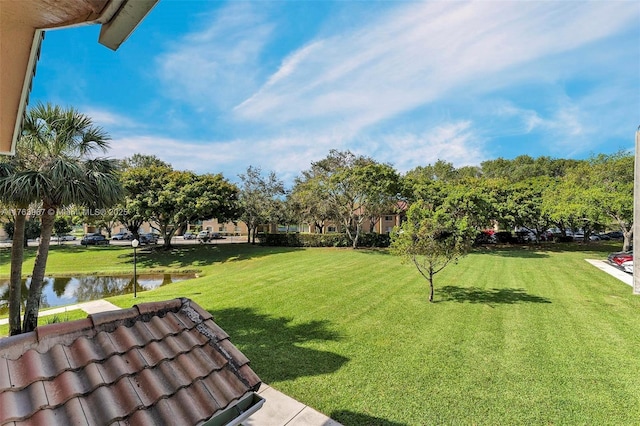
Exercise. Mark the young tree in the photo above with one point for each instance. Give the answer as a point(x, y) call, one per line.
point(432, 237)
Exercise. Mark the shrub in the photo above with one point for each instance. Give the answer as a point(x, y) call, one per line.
point(323, 240)
point(484, 237)
point(504, 237)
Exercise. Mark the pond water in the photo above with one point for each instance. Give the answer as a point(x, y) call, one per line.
point(59, 291)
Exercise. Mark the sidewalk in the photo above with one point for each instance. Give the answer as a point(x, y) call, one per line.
point(278, 409)
point(612, 270)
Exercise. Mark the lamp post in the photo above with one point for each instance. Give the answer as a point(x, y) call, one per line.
point(135, 244)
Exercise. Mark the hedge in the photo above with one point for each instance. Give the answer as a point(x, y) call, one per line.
point(323, 240)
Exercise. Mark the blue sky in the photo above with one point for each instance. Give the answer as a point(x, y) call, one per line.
point(219, 86)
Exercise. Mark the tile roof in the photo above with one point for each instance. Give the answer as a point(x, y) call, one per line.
point(155, 363)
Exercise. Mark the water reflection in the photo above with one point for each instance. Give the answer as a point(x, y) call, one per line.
point(67, 290)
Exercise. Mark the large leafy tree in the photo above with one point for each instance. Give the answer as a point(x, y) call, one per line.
point(131, 211)
point(309, 199)
point(525, 167)
point(60, 168)
point(605, 183)
point(261, 200)
point(354, 188)
point(523, 205)
point(172, 198)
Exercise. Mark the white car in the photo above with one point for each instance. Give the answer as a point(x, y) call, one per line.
point(122, 236)
point(63, 238)
point(627, 266)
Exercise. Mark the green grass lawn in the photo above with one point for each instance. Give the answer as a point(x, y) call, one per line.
point(516, 336)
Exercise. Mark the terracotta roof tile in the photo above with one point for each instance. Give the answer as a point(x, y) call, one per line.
point(70, 414)
point(217, 331)
point(4, 374)
point(67, 329)
point(113, 319)
point(159, 308)
point(157, 363)
point(159, 327)
point(16, 405)
point(14, 346)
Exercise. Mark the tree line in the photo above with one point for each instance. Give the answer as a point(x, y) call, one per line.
point(58, 166)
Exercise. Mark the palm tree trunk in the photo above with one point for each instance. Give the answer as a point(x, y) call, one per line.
point(15, 286)
point(37, 277)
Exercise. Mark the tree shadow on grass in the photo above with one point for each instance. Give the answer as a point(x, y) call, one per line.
point(521, 251)
point(348, 418)
point(489, 296)
point(275, 345)
point(545, 248)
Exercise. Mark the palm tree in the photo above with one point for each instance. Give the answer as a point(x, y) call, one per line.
point(19, 188)
point(58, 147)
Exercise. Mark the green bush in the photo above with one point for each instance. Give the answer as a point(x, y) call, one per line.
point(323, 240)
point(504, 237)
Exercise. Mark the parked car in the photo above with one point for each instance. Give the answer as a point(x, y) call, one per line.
point(122, 236)
point(94, 240)
point(627, 266)
point(615, 235)
point(63, 238)
point(148, 239)
point(203, 236)
point(618, 258)
point(189, 236)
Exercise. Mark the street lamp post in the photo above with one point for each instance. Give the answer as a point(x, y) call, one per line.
point(135, 244)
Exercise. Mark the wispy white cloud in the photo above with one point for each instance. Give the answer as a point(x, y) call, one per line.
point(109, 119)
point(288, 155)
point(181, 154)
point(421, 53)
point(457, 142)
point(346, 90)
point(217, 65)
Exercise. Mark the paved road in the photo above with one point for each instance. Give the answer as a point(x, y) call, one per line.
point(174, 240)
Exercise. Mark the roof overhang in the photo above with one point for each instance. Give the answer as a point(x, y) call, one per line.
point(22, 25)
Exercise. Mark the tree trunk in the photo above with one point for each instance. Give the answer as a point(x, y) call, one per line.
point(15, 286)
point(356, 236)
point(37, 277)
point(628, 240)
point(431, 285)
point(166, 237)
